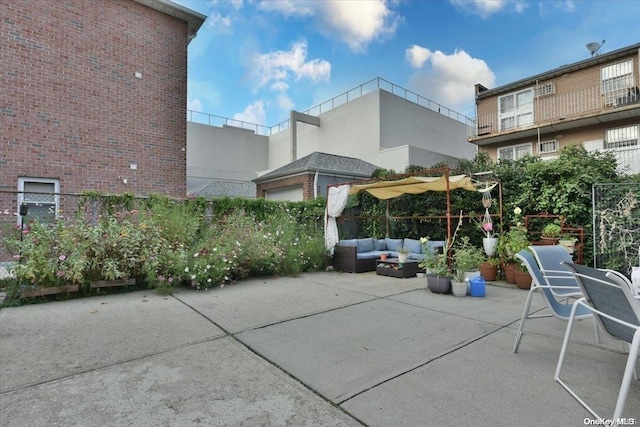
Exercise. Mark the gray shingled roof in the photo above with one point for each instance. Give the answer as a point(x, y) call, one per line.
point(217, 188)
point(323, 163)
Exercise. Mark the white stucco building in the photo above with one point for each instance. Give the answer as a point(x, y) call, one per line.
point(378, 123)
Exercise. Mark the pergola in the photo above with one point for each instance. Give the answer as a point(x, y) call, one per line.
point(440, 179)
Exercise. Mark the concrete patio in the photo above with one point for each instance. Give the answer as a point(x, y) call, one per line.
point(323, 349)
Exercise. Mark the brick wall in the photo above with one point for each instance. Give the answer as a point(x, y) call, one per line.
point(71, 107)
point(306, 181)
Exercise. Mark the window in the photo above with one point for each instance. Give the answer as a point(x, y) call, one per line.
point(514, 152)
point(545, 89)
point(515, 110)
point(547, 146)
point(616, 79)
point(41, 195)
point(622, 137)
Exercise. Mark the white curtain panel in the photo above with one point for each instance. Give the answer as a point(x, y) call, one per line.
point(336, 201)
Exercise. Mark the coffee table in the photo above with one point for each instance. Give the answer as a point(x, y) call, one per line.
point(393, 268)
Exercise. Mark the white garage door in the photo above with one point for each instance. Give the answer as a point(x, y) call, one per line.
point(293, 194)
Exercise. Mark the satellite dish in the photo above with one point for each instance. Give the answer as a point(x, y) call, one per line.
point(594, 47)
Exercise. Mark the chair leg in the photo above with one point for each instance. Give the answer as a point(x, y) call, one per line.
point(627, 349)
point(595, 325)
point(563, 352)
point(628, 373)
point(525, 315)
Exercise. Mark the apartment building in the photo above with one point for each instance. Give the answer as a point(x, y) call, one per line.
point(594, 102)
point(92, 97)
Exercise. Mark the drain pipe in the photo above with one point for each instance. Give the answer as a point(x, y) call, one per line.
point(315, 185)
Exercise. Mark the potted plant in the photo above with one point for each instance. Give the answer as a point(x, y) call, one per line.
point(489, 268)
point(459, 283)
point(551, 232)
point(467, 257)
point(568, 242)
point(521, 276)
point(436, 268)
point(403, 254)
point(512, 242)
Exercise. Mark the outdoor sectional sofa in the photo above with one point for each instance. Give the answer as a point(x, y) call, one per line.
point(360, 255)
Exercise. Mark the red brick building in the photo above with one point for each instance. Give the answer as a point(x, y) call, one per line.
point(93, 96)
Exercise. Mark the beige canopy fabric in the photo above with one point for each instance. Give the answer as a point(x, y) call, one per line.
point(413, 185)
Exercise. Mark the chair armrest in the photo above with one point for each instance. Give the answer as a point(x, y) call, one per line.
point(345, 251)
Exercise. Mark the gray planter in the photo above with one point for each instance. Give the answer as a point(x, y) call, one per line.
point(439, 284)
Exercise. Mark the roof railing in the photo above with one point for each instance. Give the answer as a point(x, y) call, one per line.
point(336, 101)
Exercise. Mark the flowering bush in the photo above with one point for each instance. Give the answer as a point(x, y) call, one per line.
point(240, 246)
point(514, 240)
point(44, 257)
point(167, 244)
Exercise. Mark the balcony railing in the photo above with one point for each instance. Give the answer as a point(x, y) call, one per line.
point(336, 101)
point(550, 108)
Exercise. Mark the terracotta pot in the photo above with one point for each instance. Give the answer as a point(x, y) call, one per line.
point(488, 272)
point(548, 240)
point(383, 257)
point(508, 272)
point(522, 279)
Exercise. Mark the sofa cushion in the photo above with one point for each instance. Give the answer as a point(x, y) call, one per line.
point(351, 242)
point(414, 256)
point(393, 244)
point(413, 245)
point(365, 245)
point(437, 246)
point(371, 254)
point(379, 245)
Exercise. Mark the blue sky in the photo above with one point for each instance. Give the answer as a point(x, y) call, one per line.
point(255, 60)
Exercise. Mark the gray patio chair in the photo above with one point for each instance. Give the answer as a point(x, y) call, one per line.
point(558, 307)
point(617, 312)
point(549, 258)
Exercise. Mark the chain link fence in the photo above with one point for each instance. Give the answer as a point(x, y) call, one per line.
point(616, 226)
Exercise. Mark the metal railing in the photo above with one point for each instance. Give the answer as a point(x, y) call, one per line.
point(628, 159)
point(550, 108)
point(336, 101)
point(219, 121)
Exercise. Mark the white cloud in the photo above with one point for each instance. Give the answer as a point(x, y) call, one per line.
point(285, 103)
point(237, 4)
point(450, 79)
point(486, 8)
point(567, 6)
point(288, 7)
point(194, 104)
point(280, 65)
point(220, 24)
point(356, 23)
point(417, 55)
point(254, 113)
point(279, 86)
